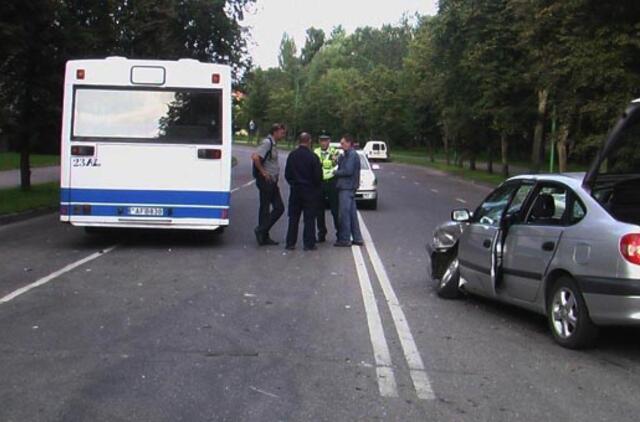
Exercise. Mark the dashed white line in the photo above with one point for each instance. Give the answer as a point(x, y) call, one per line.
point(71, 266)
point(52, 276)
point(461, 200)
point(243, 186)
point(384, 372)
point(412, 355)
point(434, 190)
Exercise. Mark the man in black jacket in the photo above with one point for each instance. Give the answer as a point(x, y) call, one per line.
point(304, 175)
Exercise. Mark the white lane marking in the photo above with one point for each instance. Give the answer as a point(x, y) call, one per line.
point(384, 371)
point(243, 186)
point(58, 273)
point(412, 355)
point(461, 200)
point(434, 190)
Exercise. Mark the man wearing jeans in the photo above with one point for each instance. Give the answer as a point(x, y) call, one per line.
point(266, 172)
point(347, 183)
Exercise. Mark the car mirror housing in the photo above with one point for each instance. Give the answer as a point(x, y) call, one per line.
point(461, 215)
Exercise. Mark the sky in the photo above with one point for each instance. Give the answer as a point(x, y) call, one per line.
point(269, 19)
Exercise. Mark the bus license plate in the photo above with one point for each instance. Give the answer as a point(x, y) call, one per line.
point(146, 211)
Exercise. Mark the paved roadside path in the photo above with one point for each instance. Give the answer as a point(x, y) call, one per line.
point(11, 178)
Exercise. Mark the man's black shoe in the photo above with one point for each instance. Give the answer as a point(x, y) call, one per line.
point(357, 242)
point(290, 247)
point(269, 241)
point(342, 244)
point(259, 236)
point(321, 239)
point(310, 248)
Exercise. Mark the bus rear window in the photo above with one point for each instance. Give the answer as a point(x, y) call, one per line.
point(148, 116)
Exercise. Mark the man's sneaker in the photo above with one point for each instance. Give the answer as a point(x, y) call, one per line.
point(290, 247)
point(259, 236)
point(269, 241)
point(357, 242)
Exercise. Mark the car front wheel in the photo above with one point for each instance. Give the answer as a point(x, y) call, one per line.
point(568, 316)
point(447, 286)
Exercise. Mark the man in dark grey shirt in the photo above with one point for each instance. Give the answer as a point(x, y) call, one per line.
point(266, 170)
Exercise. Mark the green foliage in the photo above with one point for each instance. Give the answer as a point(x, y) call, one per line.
point(37, 37)
point(469, 78)
point(15, 200)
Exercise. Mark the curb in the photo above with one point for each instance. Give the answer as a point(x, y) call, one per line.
point(25, 215)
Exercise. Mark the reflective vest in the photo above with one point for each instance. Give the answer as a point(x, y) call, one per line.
point(327, 161)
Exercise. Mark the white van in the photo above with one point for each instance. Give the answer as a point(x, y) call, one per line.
point(376, 150)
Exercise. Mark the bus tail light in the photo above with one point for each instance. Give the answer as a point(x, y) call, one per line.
point(84, 209)
point(630, 247)
point(80, 74)
point(210, 154)
point(225, 214)
point(215, 78)
point(82, 150)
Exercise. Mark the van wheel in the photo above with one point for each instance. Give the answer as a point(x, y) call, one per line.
point(373, 204)
point(447, 286)
point(568, 316)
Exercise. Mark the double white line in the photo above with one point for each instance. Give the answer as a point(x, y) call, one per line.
point(384, 368)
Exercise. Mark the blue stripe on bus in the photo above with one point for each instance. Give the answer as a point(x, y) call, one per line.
point(133, 196)
point(169, 212)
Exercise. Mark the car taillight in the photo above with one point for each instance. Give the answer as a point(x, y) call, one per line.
point(630, 247)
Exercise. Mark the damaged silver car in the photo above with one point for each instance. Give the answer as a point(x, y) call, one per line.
point(563, 245)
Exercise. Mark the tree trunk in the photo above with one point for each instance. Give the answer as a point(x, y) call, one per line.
point(538, 136)
point(472, 161)
point(504, 147)
point(563, 135)
point(445, 140)
point(25, 137)
point(489, 158)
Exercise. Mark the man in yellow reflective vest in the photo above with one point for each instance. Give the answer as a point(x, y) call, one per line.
point(328, 156)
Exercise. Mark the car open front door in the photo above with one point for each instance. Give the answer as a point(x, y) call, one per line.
point(531, 245)
point(479, 247)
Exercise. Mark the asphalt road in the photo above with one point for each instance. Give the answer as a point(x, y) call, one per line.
point(166, 326)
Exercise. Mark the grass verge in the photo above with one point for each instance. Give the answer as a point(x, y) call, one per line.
point(481, 176)
point(11, 160)
point(44, 195)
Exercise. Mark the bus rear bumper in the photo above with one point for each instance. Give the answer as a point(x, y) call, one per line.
point(147, 222)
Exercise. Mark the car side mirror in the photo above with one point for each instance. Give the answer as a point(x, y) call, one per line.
point(375, 166)
point(461, 215)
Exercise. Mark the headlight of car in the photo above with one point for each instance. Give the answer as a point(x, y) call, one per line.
point(443, 240)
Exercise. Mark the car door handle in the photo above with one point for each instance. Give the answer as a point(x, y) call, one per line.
point(486, 243)
point(548, 246)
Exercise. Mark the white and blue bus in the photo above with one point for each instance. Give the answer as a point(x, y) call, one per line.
point(146, 144)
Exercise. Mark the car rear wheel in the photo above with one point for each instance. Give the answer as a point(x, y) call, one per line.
point(568, 316)
point(447, 286)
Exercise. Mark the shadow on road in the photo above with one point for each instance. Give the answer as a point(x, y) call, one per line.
point(150, 238)
point(620, 342)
